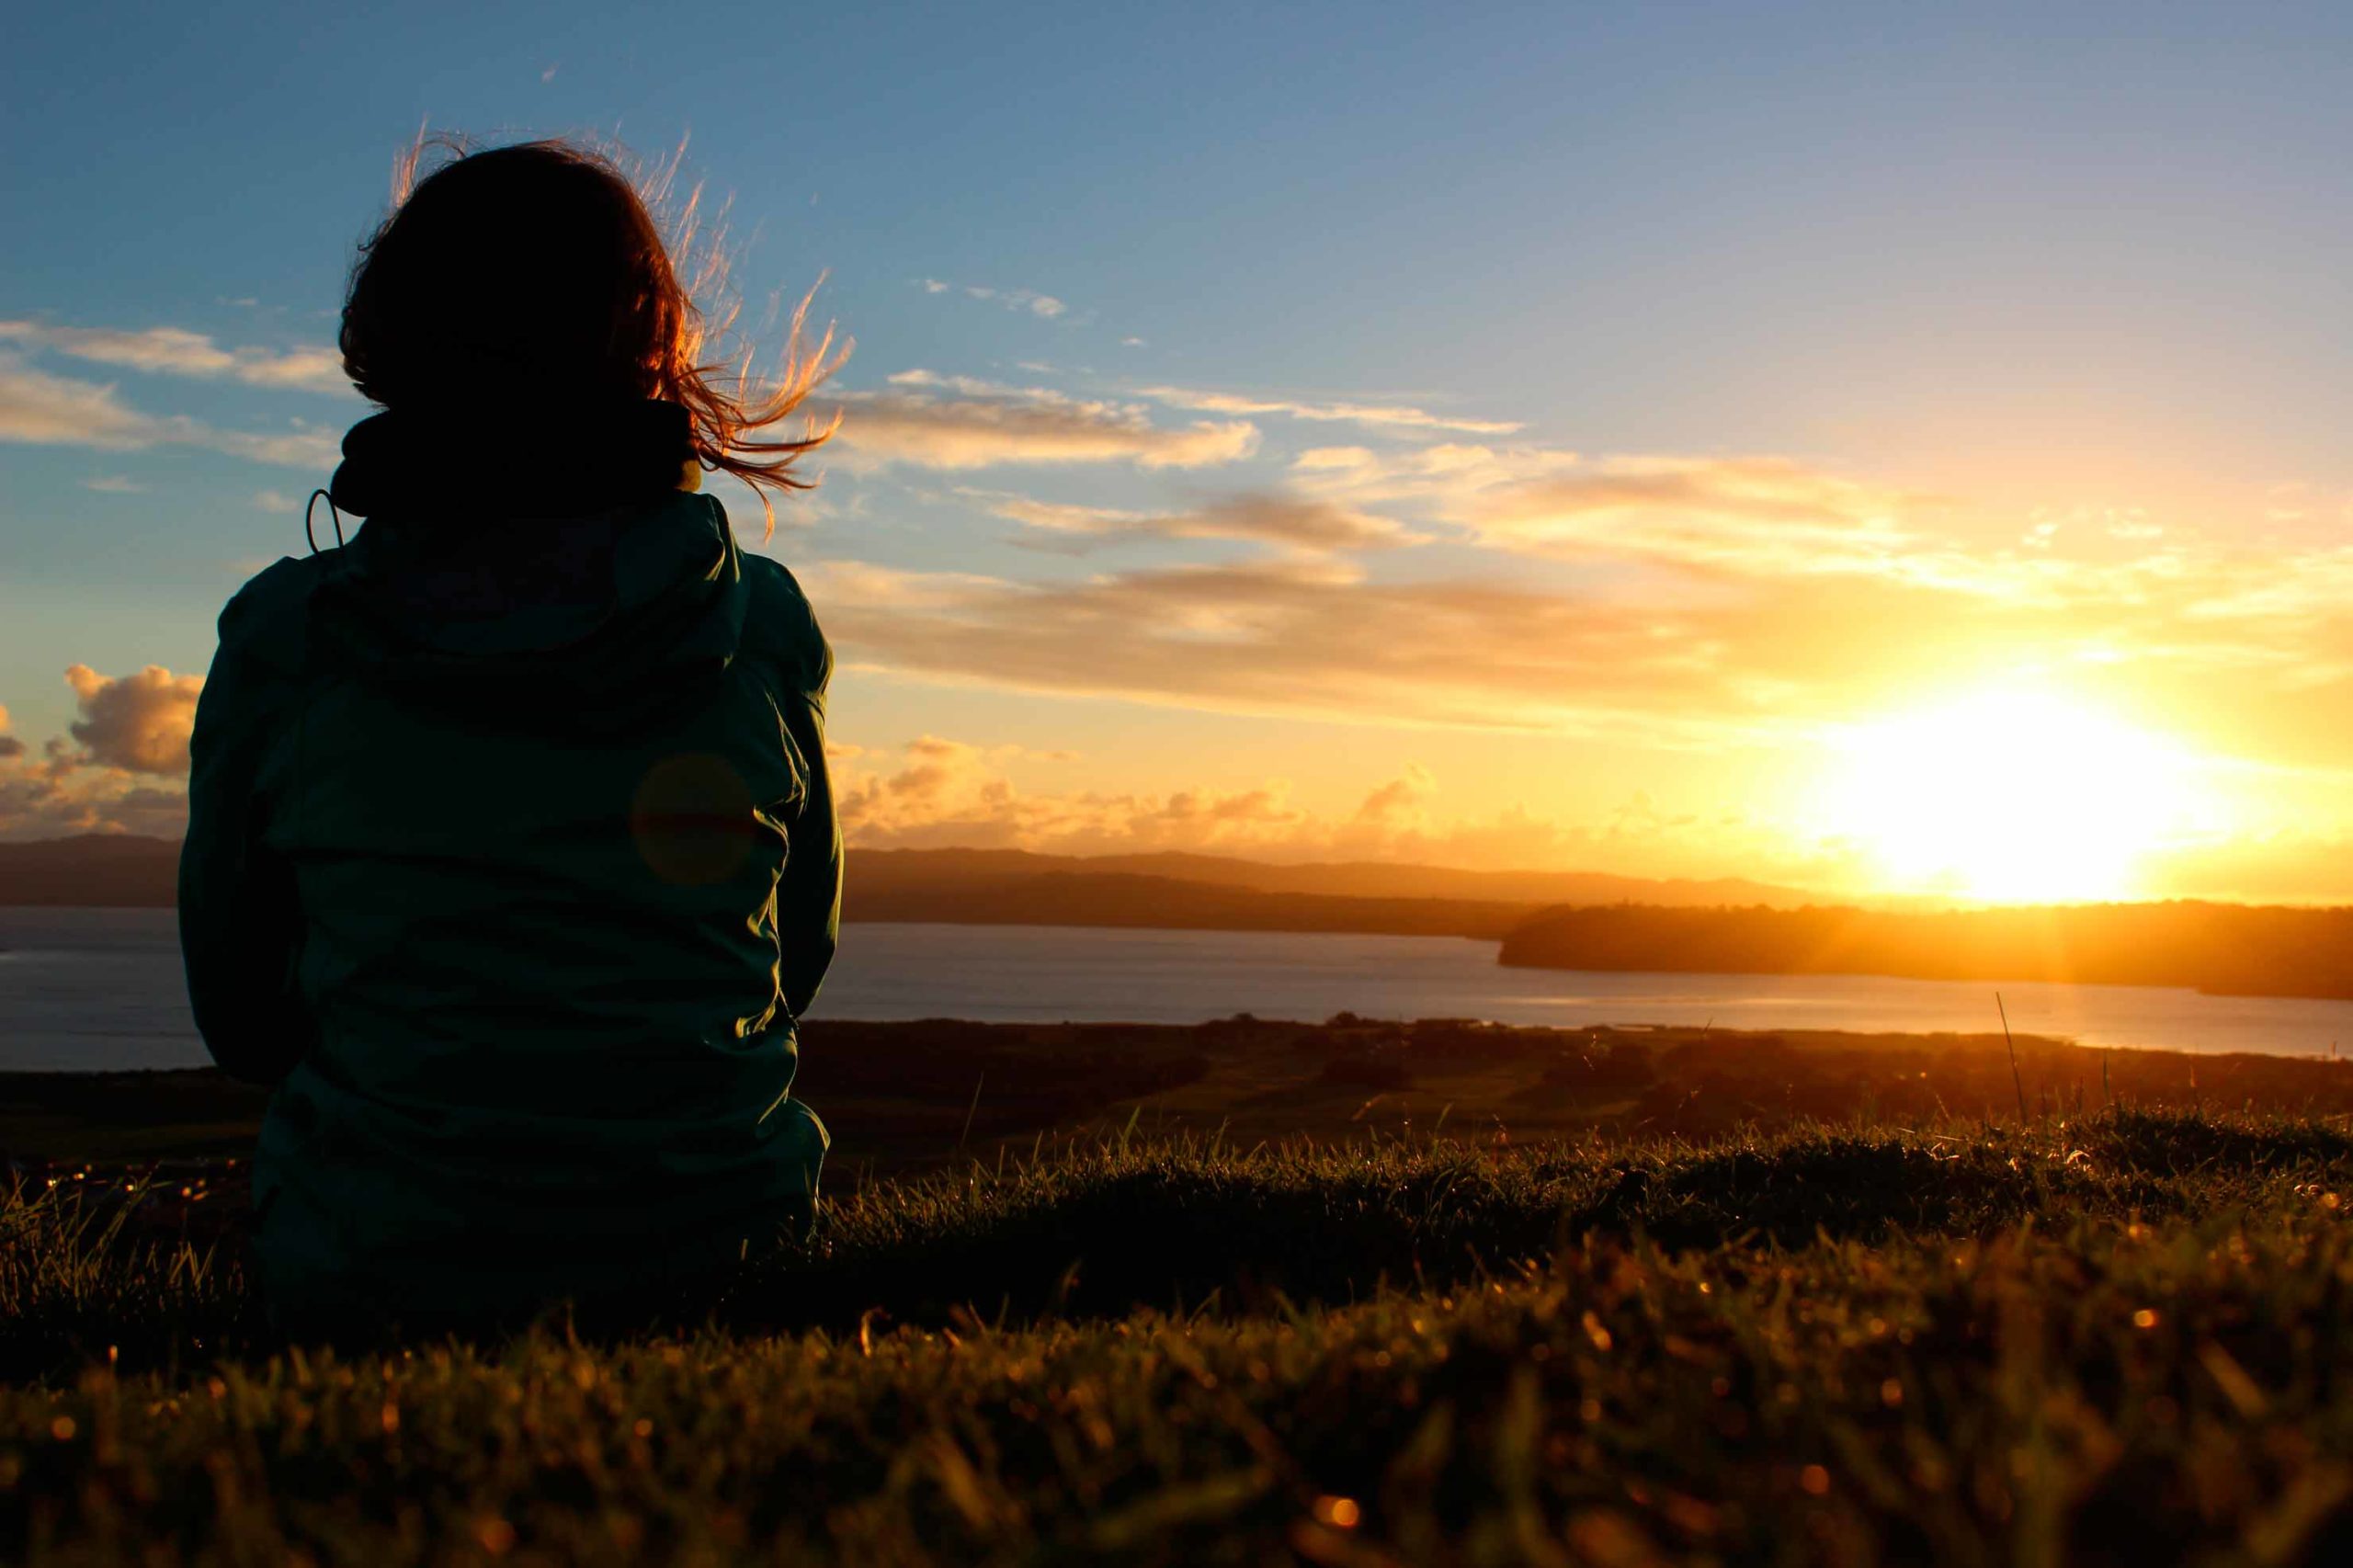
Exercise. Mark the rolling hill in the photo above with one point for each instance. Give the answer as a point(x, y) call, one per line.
point(1013, 887)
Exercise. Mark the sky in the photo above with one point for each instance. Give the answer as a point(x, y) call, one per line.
point(1878, 450)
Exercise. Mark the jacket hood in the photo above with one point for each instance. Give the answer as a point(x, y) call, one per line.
point(584, 624)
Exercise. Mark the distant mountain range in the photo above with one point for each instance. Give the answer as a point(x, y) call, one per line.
point(881, 871)
point(1543, 919)
point(99, 868)
point(1013, 887)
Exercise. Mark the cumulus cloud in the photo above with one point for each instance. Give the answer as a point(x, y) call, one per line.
point(138, 722)
point(1294, 522)
point(174, 351)
point(39, 802)
point(120, 770)
point(950, 422)
point(1400, 802)
point(40, 408)
point(935, 793)
point(1394, 416)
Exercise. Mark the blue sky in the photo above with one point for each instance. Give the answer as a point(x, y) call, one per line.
point(1725, 327)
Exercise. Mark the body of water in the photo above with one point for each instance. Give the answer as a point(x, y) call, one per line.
point(100, 988)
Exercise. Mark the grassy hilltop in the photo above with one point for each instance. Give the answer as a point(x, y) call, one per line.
point(1113, 1328)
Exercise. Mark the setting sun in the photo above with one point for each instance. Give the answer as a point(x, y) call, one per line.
point(2009, 796)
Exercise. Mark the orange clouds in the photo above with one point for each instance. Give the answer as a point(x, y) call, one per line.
point(139, 723)
point(942, 792)
point(131, 729)
point(1299, 637)
point(1764, 515)
point(938, 793)
point(1756, 515)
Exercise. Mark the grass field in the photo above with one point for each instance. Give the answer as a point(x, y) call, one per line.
point(2123, 1336)
point(2126, 1340)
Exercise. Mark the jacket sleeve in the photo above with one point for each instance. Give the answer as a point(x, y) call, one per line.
point(809, 894)
point(239, 920)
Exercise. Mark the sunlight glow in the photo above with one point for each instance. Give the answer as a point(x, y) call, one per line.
point(2010, 796)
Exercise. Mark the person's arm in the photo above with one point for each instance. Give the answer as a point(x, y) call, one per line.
point(809, 894)
point(240, 919)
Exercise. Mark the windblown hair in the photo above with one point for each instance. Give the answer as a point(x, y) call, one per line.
point(526, 280)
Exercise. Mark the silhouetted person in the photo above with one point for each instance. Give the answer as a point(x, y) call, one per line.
point(511, 856)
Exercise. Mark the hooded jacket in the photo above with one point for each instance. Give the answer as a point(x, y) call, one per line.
point(511, 862)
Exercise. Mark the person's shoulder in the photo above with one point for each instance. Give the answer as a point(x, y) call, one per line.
point(777, 591)
point(781, 623)
point(266, 619)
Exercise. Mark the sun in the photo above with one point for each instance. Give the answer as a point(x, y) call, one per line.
point(2011, 796)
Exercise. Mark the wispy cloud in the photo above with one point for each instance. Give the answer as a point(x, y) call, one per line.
point(2254, 655)
point(1749, 516)
point(1290, 635)
point(1292, 522)
point(174, 351)
point(40, 408)
point(1027, 301)
point(1766, 514)
point(1382, 415)
point(955, 422)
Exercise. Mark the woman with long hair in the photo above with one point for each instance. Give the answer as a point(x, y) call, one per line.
point(511, 857)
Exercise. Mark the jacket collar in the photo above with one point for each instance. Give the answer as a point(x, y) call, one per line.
point(434, 462)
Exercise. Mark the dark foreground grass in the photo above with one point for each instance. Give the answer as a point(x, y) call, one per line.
point(2125, 1340)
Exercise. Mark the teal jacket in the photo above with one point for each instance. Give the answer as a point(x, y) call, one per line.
point(511, 863)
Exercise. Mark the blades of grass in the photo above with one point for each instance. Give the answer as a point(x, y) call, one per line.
point(2015, 1081)
point(971, 1110)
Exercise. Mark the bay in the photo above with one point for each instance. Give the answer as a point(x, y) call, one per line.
point(92, 988)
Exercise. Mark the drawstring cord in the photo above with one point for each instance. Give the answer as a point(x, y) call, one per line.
point(312, 504)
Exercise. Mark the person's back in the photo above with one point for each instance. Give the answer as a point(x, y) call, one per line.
point(511, 856)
